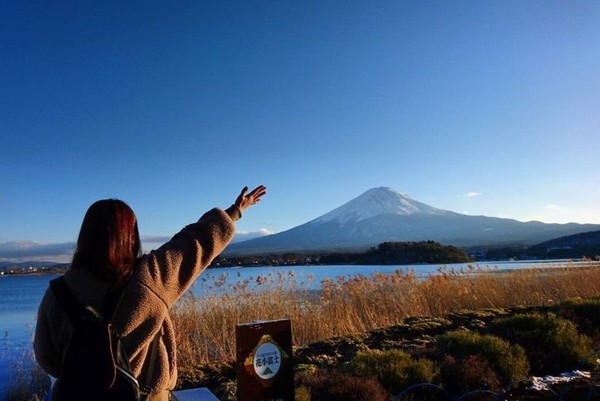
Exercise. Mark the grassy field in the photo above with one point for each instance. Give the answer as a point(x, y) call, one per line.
point(206, 326)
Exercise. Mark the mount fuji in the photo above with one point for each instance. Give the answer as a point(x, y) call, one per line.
point(383, 214)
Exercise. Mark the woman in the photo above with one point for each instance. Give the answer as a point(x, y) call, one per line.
point(108, 257)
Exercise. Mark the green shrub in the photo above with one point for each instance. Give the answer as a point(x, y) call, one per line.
point(586, 315)
point(552, 344)
point(339, 386)
point(394, 369)
point(508, 361)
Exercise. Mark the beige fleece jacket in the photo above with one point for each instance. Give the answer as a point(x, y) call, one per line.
point(159, 280)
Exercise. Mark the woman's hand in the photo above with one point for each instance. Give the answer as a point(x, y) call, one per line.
point(243, 201)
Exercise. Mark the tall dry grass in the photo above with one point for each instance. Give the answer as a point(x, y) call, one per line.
point(26, 380)
point(206, 326)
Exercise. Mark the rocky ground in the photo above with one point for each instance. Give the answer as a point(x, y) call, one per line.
point(412, 336)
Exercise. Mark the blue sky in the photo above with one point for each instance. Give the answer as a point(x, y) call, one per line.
point(479, 107)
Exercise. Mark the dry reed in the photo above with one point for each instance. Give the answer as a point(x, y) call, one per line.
point(206, 326)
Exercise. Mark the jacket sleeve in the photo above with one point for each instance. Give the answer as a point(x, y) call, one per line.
point(164, 275)
point(170, 270)
point(46, 354)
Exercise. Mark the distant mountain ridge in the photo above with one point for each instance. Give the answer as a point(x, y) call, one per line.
point(383, 214)
point(569, 247)
point(576, 240)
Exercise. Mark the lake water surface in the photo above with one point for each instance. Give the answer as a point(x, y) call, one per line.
point(21, 295)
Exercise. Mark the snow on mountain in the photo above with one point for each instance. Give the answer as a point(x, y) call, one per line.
point(383, 214)
point(377, 201)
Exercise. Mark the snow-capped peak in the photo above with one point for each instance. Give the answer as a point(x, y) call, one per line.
point(376, 201)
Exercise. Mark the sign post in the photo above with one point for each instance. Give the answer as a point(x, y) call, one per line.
point(264, 361)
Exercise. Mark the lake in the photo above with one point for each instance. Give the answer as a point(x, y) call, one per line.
point(21, 295)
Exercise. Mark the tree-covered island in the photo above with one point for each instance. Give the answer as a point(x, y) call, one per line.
point(386, 253)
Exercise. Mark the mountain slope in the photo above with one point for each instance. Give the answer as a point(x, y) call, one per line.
point(590, 238)
point(382, 214)
point(569, 247)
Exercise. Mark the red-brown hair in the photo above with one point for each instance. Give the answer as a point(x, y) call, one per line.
point(109, 242)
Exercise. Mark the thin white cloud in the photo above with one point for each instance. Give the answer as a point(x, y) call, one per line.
point(245, 236)
point(155, 239)
point(150, 242)
point(473, 194)
point(549, 214)
point(23, 251)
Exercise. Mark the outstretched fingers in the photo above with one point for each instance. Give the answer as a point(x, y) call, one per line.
point(257, 192)
point(248, 199)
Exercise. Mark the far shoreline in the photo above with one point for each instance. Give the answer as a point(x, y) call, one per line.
point(41, 271)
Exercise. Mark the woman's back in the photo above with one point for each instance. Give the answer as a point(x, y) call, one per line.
point(156, 282)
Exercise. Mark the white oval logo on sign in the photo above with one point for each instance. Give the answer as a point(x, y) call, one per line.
point(267, 361)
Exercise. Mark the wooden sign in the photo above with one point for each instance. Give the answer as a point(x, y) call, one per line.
point(264, 361)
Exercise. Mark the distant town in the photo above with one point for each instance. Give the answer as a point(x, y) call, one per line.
point(585, 245)
point(32, 268)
